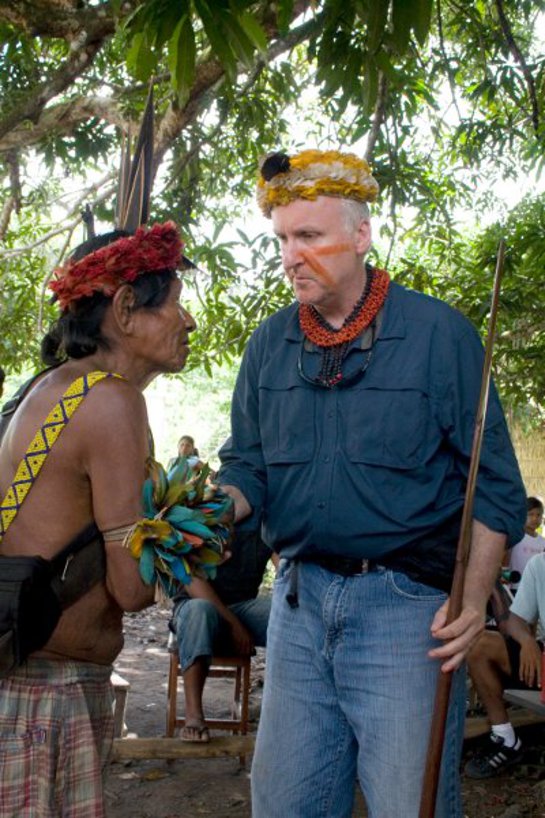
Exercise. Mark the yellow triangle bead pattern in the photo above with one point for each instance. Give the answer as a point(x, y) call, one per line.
point(44, 439)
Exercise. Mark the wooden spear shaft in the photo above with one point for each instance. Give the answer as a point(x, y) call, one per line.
point(444, 681)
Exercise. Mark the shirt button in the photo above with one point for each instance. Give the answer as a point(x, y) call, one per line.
point(326, 459)
point(321, 505)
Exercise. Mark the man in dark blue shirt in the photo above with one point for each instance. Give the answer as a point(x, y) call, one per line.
point(352, 427)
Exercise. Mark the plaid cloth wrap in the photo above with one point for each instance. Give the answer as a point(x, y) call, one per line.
point(56, 730)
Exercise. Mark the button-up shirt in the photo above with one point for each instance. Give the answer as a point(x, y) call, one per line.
point(362, 469)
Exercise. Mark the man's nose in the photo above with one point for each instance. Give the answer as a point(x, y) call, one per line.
point(291, 254)
point(189, 321)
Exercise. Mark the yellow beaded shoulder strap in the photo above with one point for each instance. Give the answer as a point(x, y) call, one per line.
point(42, 443)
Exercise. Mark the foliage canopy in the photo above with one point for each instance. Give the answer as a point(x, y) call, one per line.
point(446, 99)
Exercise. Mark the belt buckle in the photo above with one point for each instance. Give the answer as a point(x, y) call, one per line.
point(364, 568)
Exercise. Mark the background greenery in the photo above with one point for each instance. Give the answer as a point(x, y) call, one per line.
point(445, 98)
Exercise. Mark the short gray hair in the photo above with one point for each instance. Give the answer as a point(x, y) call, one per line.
point(354, 213)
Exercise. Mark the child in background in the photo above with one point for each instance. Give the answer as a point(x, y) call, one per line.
point(186, 448)
point(532, 543)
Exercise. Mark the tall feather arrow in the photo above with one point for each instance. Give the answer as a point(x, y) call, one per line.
point(135, 176)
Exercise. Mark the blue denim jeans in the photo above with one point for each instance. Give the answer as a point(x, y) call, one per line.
point(201, 630)
point(348, 694)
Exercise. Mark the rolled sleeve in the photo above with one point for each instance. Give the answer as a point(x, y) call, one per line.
point(500, 497)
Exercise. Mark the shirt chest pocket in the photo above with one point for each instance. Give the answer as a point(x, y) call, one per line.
point(287, 423)
point(392, 427)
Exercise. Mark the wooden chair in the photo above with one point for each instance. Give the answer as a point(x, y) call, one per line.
point(230, 667)
point(121, 689)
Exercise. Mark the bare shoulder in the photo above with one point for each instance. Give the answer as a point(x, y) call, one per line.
point(113, 415)
point(116, 397)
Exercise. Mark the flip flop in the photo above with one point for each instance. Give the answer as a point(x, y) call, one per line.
point(197, 733)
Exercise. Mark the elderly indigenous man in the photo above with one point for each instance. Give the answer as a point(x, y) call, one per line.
point(352, 426)
point(121, 324)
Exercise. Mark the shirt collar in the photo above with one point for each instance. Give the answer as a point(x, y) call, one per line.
point(392, 325)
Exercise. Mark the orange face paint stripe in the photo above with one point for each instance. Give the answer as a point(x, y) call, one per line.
point(318, 268)
point(331, 249)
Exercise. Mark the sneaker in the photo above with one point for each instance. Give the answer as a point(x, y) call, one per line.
point(493, 758)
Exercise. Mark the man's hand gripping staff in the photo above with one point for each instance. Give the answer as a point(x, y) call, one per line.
point(461, 619)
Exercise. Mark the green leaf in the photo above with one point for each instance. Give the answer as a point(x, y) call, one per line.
point(376, 22)
point(167, 22)
point(216, 35)
point(238, 39)
point(370, 87)
point(253, 31)
point(182, 54)
point(141, 60)
point(422, 19)
point(402, 16)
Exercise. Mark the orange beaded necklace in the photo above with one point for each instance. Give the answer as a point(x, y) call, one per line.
point(317, 329)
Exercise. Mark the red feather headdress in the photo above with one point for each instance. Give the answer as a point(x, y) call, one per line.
point(105, 270)
point(125, 258)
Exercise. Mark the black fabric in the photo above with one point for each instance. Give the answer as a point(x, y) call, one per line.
point(239, 578)
point(34, 591)
point(429, 559)
point(79, 566)
point(29, 609)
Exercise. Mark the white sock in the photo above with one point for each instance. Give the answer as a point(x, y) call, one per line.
point(507, 733)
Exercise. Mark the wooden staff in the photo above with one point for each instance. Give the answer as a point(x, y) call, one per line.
point(444, 682)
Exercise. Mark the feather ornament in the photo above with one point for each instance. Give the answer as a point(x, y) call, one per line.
point(186, 527)
point(136, 175)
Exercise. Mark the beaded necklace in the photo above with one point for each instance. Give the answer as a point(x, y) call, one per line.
point(335, 342)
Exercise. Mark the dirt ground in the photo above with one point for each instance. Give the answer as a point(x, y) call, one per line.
point(218, 787)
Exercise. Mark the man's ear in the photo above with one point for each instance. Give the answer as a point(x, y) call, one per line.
point(363, 237)
point(123, 304)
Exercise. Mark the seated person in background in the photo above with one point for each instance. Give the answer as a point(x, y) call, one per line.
point(532, 543)
point(223, 617)
point(510, 657)
point(186, 448)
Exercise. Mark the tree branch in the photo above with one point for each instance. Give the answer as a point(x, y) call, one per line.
point(12, 161)
point(379, 116)
point(519, 57)
point(452, 84)
point(5, 216)
point(208, 75)
point(37, 97)
point(62, 19)
point(62, 119)
point(67, 225)
point(13, 202)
